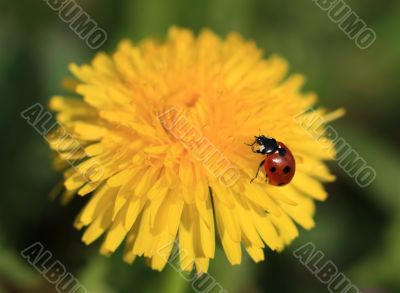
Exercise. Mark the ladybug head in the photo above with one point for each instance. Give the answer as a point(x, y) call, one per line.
point(268, 145)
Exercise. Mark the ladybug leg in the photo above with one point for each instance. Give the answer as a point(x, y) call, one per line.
point(254, 142)
point(255, 151)
point(258, 170)
point(252, 147)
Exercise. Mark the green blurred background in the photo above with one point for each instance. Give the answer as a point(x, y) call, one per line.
point(357, 228)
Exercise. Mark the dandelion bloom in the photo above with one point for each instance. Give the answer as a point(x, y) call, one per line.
point(156, 138)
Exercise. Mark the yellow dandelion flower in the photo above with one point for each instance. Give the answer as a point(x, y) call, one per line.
point(157, 138)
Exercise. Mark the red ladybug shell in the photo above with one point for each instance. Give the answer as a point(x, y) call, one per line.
point(280, 166)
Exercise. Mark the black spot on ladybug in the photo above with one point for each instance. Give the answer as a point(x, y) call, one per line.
point(286, 169)
point(273, 169)
point(281, 184)
point(282, 152)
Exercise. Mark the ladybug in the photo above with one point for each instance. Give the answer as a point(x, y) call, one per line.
point(279, 162)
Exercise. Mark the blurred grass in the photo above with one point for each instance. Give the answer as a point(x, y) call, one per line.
point(359, 229)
